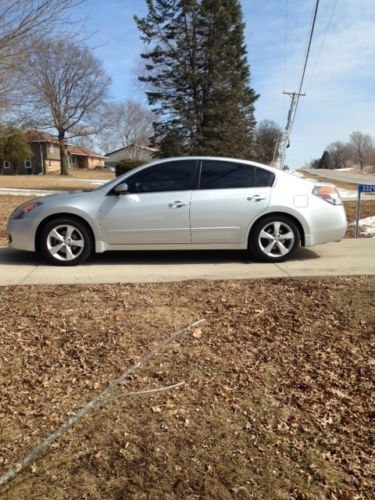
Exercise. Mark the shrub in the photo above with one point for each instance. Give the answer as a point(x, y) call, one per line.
point(124, 166)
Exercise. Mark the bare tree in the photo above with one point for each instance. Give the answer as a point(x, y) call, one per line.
point(362, 145)
point(22, 24)
point(68, 88)
point(268, 136)
point(127, 123)
point(340, 154)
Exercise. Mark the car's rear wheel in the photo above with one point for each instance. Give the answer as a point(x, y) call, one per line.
point(274, 239)
point(65, 242)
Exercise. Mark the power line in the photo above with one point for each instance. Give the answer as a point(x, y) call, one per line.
point(324, 39)
point(306, 60)
point(297, 95)
point(285, 43)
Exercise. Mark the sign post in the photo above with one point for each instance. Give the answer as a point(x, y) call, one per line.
point(362, 188)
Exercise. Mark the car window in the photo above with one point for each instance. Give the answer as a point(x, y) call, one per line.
point(171, 176)
point(225, 175)
point(263, 178)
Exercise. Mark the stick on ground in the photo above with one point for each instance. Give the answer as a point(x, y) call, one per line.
point(43, 445)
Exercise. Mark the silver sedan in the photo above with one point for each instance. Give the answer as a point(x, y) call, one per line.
point(203, 203)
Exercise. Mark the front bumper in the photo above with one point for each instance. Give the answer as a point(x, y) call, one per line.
point(21, 235)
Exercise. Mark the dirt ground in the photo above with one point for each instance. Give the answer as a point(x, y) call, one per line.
point(9, 203)
point(277, 401)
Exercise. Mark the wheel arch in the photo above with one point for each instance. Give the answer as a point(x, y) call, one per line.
point(296, 221)
point(60, 215)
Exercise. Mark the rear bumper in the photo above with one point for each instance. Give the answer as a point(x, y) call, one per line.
point(21, 235)
point(328, 228)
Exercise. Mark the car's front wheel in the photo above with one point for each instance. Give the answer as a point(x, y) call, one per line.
point(65, 242)
point(274, 239)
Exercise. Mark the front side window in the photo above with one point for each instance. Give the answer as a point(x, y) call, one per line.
point(225, 175)
point(171, 176)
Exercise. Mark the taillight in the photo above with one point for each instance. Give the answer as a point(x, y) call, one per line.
point(329, 194)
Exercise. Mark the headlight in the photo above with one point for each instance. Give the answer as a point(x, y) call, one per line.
point(23, 210)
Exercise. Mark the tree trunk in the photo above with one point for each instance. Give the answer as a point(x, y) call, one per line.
point(64, 166)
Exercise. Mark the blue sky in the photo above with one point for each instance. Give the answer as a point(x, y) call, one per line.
point(340, 79)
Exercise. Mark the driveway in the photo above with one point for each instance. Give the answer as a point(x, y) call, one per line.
point(347, 258)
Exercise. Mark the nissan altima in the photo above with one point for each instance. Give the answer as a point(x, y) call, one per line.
point(203, 203)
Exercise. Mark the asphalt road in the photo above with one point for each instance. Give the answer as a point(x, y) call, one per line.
point(345, 176)
point(347, 258)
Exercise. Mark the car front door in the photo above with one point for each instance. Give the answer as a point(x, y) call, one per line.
point(156, 208)
point(230, 196)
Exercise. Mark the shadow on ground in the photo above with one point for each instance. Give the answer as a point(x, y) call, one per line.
point(17, 258)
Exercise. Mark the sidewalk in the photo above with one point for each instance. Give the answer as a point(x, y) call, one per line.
point(348, 258)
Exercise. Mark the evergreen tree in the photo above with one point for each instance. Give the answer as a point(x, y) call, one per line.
point(13, 145)
point(198, 77)
point(325, 161)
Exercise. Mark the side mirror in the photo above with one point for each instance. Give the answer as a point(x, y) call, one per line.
point(122, 188)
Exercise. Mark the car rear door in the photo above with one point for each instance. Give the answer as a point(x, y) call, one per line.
point(155, 211)
point(230, 196)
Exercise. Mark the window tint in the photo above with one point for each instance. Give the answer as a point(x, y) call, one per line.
point(225, 175)
point(263, 178)
point(172, 176)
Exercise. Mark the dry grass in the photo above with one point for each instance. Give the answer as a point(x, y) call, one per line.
point(86, 174)
point(58, 183)
point(276, 403)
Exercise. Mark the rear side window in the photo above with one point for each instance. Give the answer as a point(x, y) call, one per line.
point(263, 178)
point(171, 176)
point(225, 175)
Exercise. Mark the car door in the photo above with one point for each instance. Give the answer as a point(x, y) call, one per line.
point(230, 196)
point(156, 208)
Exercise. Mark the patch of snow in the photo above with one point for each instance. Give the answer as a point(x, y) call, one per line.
point(345, 194)
point(294, 172)
point(366, 226)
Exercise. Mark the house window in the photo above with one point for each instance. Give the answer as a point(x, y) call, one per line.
point(6, 164)
point(51, 148)
point(28, 164)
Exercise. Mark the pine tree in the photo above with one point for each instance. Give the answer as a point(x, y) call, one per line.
point(198, 77)
point(13, 145)
point(325, 161)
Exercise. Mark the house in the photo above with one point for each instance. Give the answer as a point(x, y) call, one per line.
point(46, 156)
point(131, 152)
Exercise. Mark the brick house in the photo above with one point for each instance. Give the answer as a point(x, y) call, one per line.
point(46, 156)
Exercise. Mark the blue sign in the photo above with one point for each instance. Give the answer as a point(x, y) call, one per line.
point(366, 188)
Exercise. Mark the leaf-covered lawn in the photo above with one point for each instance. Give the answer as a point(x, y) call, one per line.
point(278, 400)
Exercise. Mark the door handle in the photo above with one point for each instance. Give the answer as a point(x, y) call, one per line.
point(176, 204)
point(256, 197)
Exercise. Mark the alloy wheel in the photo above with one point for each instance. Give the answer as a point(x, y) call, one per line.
point(65, 242)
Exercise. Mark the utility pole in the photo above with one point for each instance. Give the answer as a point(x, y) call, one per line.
point(285, 140)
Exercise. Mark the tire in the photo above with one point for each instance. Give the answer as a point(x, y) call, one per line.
point(274, 239)
point(65, 242)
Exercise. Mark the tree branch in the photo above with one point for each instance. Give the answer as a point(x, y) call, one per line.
point(43, 445)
